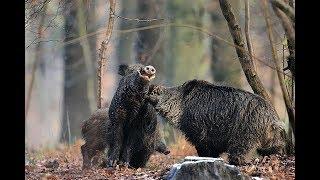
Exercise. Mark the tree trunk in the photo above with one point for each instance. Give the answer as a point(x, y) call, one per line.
point(146, 39)
point(223, 68)
point(76, 103)
point(86, 17)
point(124, 47)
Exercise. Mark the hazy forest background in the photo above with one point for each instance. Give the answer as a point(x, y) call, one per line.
point(63, 37)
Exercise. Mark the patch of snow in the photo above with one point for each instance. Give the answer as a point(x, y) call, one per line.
point(257, 178)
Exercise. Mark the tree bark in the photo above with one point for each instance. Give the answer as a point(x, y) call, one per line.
point(247, 28)
point(244, 58)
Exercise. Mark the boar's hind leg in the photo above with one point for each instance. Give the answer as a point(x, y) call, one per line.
point(87, 155)
point(203, 151)
point(140, 158)
point(240, 154)
point(276, 144)
point(269, 151)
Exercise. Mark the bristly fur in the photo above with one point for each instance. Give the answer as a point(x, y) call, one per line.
point(133, 122)
point(219, 119)
point(94, 132)
point(142, 134)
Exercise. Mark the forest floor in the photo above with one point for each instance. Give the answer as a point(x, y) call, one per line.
point(65, 163)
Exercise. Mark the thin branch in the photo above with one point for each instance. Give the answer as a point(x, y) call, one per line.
point(286, 8)
point(244, 58)
point(276, 60)
point(247, 28)
point(36, 11)
point(138, 19)
point(42, 41)
point(103, 51)
point(196, 28)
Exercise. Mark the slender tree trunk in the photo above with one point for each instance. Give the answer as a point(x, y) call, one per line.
point(104, 51)
point(247, 28)
point(76, 103)
point(86, 20)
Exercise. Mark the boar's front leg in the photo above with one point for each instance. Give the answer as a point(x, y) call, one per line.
point(116, 135)
point(115, 145)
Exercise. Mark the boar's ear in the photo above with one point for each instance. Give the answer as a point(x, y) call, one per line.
point(123, 69)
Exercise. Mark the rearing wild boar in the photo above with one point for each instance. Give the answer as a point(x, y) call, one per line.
point(128, 112)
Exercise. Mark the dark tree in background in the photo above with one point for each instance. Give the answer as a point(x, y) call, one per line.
point(79, 64)
point(125, 55)
point(149, 45)
point(224, 65)
point(146, 40)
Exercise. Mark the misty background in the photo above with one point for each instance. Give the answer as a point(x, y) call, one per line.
point(62, 41)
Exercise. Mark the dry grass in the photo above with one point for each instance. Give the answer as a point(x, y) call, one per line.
point(182, 147)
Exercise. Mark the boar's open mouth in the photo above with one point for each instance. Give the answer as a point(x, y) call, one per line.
point(146, 75)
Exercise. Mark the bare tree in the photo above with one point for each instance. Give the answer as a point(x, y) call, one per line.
point(104, 50)
point(76, 102)
point(244, 57)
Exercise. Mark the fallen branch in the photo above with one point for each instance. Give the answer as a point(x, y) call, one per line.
point(244, 58)
point(103, 51)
